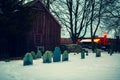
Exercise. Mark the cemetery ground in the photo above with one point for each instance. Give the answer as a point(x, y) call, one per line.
point(105, 67)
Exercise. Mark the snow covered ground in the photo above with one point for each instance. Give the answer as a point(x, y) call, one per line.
point(105, 67)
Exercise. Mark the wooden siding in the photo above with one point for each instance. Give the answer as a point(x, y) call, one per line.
point(46, 30)
point(45, 33)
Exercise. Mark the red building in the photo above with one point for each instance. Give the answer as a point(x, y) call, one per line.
point(46, 29)
point(65, 41)
point(45, 33)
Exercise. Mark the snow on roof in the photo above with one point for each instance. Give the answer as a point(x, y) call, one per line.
point(31, 3)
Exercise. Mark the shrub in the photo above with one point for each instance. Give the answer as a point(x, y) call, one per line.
point(57, 55)
point(33, 54)
point(65, 56)
point(98, 53)
point(74, 48)
point(39, 54)
point(28, 59)
point(47, 57)
point(63, 48)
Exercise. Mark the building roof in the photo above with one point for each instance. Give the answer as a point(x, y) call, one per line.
point(31, 3)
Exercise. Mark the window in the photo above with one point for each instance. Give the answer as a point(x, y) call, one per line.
point(38, 40)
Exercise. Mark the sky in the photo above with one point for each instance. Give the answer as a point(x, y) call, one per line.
point(100, 32)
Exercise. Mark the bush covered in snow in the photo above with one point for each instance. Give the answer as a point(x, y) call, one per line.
point(28, 59)
point(74, 48)
point(47, 57)
point(57, 55)
point(33, 54)
point(65, 56)
point(39, 54)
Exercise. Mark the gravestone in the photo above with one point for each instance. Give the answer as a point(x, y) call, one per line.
point(98, 53)
point(82, 54)
point(39, 54)
point(57, 55)
point(65, 56)
point(33, 54)
point(47, 57)
point(28, 59)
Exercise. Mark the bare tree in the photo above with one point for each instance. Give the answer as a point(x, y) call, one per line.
point(48, 3)
point(96, 7)
point(74, 16)
point(111, 16)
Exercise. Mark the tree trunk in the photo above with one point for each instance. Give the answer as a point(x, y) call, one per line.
point(91, 25)
point(74, 39)
point(48, 4)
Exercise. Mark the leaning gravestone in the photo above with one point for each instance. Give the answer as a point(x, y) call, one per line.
point(98, 53)
point(57, 55)
point(47, 57)
point(28, 59)
point(83, 54)
point(65, 56)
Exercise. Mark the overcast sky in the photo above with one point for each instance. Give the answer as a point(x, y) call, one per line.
point(100, 32)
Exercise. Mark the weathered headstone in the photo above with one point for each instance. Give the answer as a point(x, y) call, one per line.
point(82, 54)
point(47, 57)
point(33, 54)
point(98, 53)
point(65, 56)
point(57, 55)
point(28, 59)
point(39, 54)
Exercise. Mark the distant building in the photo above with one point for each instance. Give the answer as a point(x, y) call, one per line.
point(65, 41)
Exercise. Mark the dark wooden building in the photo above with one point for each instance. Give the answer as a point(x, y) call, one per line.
point(45, 33)
point(46, 29)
